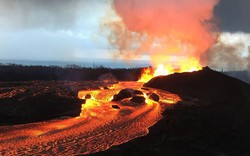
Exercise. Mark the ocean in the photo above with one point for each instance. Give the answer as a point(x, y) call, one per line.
point(109, 63)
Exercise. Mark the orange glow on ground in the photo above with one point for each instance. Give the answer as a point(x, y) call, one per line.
point(186, 65)
point(98, 127)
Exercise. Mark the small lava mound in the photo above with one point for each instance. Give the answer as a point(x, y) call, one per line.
point(126, 93)
point(88, 96)
point(130, 97)
point(138, 99)
point(138, 92)
point(154, 97)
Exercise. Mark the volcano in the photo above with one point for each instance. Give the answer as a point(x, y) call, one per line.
point(213, 117)
point(192, 113)
point(206, 85)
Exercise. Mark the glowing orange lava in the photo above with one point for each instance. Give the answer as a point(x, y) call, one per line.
point(98, 127)
point(186, 65)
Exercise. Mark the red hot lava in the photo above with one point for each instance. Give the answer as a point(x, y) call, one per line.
point(98, 127)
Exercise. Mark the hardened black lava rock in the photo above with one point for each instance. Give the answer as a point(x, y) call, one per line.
point(88, 96)
point(124, 93)
point(154, 97)
point(115, 106)
point(138, 99)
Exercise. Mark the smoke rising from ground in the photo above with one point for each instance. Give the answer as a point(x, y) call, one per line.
point(231, 52)
point(163, 28)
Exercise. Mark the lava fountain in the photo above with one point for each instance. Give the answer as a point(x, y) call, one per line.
point(175, 35)
point(189, 65)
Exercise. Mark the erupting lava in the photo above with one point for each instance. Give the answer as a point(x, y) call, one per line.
point(175, 35)
point(188, 65)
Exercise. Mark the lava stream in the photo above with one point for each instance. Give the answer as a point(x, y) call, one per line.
point(97, 128)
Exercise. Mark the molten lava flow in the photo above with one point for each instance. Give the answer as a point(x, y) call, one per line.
point(187, 65)
point(98, 127)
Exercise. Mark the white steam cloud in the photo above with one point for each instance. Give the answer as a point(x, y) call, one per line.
point(231, 52)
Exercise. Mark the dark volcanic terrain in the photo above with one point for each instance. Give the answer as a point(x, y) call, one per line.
point(31, 101)
point(212, 119)
point(206, 85)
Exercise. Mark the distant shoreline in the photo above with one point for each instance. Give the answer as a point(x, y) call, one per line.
point(17, 72)
point(74, 72)
point(107, 63)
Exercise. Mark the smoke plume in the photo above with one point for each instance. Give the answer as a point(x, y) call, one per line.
point(231, 52)
point(165, 30)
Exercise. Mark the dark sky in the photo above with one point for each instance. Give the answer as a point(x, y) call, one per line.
point(234, 15)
